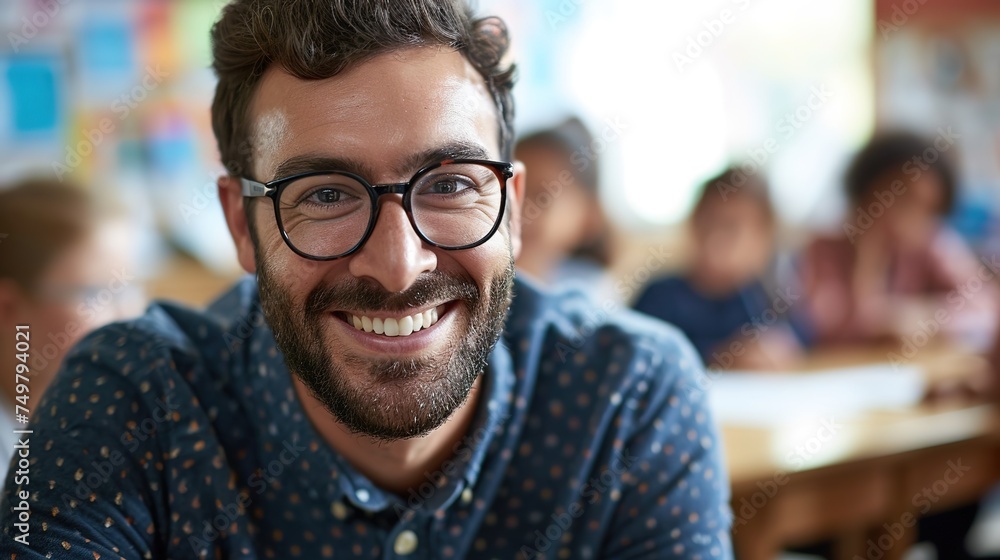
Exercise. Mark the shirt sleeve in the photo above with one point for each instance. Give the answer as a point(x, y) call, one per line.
point(674, 500)
point(93, 453)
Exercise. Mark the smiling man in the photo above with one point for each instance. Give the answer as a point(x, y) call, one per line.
point(381, 386)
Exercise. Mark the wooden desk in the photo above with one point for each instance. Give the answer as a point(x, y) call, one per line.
point(864, 485)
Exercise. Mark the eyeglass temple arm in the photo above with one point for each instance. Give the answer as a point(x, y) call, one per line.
point(252, 188)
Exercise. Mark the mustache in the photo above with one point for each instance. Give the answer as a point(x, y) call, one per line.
point(368, 295)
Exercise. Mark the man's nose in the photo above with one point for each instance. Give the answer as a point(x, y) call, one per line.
point(394, 255)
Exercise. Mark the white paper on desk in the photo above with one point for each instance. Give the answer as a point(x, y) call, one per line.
point(753, 398)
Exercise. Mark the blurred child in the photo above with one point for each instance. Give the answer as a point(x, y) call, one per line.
point(897, 264)
point(58, 279)
point(898, 270)
point(721, 303)
point(993, 390)
point(564, 230)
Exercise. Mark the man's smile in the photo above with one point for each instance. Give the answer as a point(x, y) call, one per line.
point(396, 335)
point(396, 325)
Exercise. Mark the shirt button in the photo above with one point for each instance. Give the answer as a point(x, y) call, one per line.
point(362, 495)
point(467, 496)
point(405, 543)
point(339, 510)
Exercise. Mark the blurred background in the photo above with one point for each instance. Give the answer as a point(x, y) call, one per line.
point(672, 93)
point(859, 139)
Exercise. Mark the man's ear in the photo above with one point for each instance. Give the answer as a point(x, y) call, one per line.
point(515, 201)
point(231, 197)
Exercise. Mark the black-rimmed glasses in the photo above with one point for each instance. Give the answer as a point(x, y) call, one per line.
point(325, 215)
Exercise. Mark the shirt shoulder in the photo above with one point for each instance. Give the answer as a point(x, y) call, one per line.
point(174, 358)
point(638, 387)
point(144, 403)
point(167, 336)
point(209, 336)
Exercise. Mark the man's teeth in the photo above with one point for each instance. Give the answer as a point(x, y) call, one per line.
point(396, 327)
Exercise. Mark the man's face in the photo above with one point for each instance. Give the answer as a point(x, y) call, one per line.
point(384, 120)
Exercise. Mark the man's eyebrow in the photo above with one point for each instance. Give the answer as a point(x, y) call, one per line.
point(454, 150)
point(307, 163)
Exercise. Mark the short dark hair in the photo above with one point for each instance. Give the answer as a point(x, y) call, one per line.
point(569, 137)
point(734, 182)
point(318, 39)
point(892, 151)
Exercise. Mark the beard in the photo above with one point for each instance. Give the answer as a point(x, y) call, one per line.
point(387, 399)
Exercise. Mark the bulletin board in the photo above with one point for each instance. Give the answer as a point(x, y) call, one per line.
point(936, 72)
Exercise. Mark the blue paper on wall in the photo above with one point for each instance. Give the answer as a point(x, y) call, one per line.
point(33, 84)
point(106, 58)
point(105, 46)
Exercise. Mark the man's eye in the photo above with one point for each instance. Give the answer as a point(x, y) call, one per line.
point(326, 196)
point(448, 186)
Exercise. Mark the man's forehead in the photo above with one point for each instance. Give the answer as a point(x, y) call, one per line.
point(270, 129)
point(396, 102)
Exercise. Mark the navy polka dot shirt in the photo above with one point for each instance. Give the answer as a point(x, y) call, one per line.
point(178, 435)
